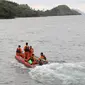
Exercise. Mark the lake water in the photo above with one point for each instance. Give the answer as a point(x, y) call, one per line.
point(61, 38)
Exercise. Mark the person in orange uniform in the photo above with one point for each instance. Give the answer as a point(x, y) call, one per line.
point(19, 51)
point(42, 59)
point(34, 60)
point(42, 56)
point(27, 52)
point(31, 50)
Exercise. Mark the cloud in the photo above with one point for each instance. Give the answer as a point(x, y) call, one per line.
point(81, 1)
point(82, 7)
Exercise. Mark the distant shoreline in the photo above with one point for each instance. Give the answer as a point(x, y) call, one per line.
point(40, 17)
point(10, 10)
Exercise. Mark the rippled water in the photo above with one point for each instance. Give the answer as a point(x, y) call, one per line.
point(62, 39)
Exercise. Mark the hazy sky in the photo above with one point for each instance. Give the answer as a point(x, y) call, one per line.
point(48, 4)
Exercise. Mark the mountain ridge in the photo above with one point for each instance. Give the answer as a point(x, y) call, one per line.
point(9, 9)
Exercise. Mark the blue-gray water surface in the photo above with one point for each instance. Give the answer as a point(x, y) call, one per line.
point(61, 38)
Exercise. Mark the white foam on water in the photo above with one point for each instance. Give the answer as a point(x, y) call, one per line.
point(60, 74)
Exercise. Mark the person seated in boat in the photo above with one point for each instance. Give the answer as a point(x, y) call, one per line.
point(42, 59)
point(34, 59)
point(26, 52)
point(42, 56)
point(19, 51)
point(31, 50)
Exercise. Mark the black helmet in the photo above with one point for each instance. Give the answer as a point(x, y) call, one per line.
point(41, 53)
point(19, 46)
point(32, 54)
point(26, 43)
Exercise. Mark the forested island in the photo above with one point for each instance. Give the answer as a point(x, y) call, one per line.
point(9, 9)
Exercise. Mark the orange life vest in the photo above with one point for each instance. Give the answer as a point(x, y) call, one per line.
point(43, 57)
point(26, 48)
point(31, 51)
point(19, 50)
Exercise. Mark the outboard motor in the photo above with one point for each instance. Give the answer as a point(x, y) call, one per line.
point(40, 62)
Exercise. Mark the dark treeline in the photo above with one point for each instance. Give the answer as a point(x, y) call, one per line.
point(10, 9)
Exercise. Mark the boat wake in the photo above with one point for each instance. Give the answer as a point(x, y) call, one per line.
point(60, 74)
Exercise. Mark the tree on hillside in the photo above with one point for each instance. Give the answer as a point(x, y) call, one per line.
point(10, 9)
